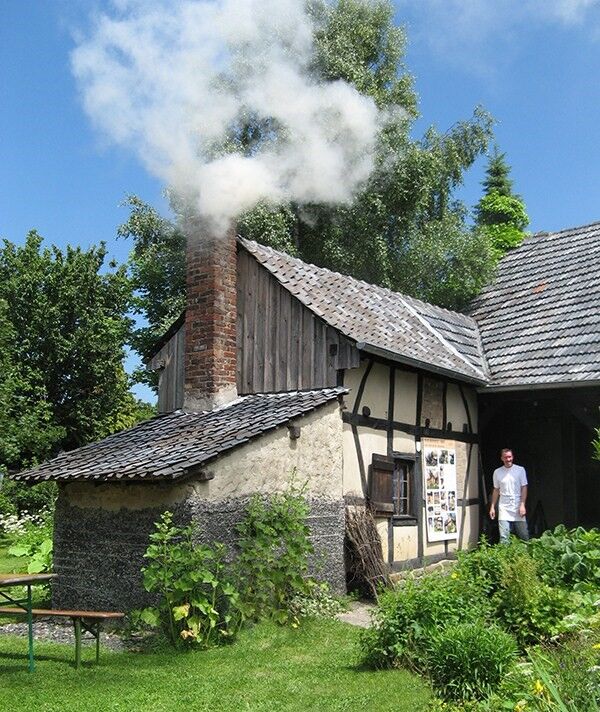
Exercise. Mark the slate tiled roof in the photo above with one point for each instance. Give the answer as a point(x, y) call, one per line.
point(169, 446)
point(540, 320)
point(407, 329)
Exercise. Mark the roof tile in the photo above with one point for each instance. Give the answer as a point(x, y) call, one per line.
point(167, 446)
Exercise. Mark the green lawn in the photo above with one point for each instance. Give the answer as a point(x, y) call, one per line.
point(268, 668)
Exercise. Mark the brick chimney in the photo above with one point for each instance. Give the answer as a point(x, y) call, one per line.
point(210, 319)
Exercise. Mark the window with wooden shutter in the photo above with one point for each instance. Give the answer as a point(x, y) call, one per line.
point(381, 485)
point(390, 486)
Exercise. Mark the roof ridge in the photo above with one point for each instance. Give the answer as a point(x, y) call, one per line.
point(441, 338)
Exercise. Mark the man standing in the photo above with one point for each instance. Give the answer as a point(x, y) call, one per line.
point(510, 487)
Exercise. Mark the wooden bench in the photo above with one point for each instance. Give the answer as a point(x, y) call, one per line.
point(89, 621)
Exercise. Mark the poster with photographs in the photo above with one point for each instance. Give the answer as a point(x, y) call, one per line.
point(439, 477)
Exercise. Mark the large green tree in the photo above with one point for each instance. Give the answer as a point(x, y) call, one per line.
point(404, 230)
point(63, 330)
point(379, 237)
point(500, 214)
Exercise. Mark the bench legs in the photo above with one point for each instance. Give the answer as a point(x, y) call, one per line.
point(30, 628)
point(93, 628)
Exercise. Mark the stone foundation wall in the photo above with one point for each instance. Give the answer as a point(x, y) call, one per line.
point(98, 553)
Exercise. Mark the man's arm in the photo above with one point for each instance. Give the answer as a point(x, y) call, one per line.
point(522, 508)
point(495, 495)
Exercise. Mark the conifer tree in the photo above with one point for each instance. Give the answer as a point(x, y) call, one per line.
point(500, 214)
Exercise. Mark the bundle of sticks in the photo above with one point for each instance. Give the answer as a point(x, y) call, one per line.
point(365, 565)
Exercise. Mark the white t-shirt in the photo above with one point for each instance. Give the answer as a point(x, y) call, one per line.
point(509, 481)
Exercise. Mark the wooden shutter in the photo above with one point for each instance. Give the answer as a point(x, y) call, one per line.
point(381, 488)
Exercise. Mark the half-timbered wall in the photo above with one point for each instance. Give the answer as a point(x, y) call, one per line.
point(395, 411)
point(282, 345)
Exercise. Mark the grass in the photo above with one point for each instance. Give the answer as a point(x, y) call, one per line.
point(268, 668)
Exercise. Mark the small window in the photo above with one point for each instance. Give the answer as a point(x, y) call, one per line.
point(390, 486)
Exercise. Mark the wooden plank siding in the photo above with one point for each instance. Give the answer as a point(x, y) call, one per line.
point(282, 345)
point(169, 362)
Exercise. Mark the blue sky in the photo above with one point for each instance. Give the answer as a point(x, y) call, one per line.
point(533, 64)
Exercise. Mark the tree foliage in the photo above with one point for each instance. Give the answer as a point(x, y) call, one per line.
point(500, 214)
point(63, 329)
point(157, 271)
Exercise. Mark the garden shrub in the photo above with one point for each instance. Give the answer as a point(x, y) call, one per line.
point(409, 614)
point(485, 565)
point(526, 606)
point(274, 547)
point(468, 660)
point(553, 678)
point(17, 497)
point(198, 602)
point(317, 603)
point(569, 557)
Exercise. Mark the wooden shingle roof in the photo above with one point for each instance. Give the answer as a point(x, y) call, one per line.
point(540, 319)
point(176, 445)
point(379, 320)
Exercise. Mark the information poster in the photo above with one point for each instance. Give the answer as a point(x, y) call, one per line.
point(439, 478)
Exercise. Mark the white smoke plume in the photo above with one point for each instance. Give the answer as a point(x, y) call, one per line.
point(166, 78)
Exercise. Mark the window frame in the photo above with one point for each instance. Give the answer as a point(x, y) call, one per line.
point(385, 494)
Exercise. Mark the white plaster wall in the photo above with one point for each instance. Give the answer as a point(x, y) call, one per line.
point(116, 496)
point(382, 530)
point(405, 397)
point(263, 465)
point(404, 443)
point(456, 412)
point(376, 391)
point(266, 464)
point(405, 543)
point(371, 441)
point(352, 378)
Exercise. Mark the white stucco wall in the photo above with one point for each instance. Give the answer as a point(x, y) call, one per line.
point(268, 464)
point(376, 397)
point(371, 442)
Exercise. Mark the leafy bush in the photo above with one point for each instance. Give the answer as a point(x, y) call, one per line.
point(570, 557)
point(522, 602)
point(32, 534)
point(526, 606)
point(197, 601)
point(560, 678)
point(317, 603)
point(408, 615)
point(485, 565)
point(468, 660)
point(274, 547)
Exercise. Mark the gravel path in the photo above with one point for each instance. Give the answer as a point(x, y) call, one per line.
point(358, 614)
point(50, 630)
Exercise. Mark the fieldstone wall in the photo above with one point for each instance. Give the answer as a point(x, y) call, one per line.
point(99, 553)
